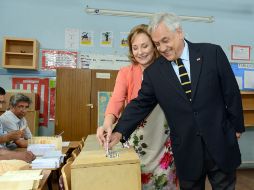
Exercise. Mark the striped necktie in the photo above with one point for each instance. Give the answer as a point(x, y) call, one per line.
point(185, 81)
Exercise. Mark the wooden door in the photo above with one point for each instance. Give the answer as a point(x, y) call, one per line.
point(72, 96)
point(102, 80)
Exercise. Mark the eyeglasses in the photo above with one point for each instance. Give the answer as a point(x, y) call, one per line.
point(20, 107)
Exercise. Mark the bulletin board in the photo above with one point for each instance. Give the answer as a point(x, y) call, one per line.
point(244, 73)
point(51, 59)
point(103, 99)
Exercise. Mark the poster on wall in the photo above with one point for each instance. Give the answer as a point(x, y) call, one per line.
point(39, 86)
point(86, 38)
point(85, 60)
point(71, 38)
point(51, 59)
point(106, 39)
point(103, 99)
point(124, 39)
point(240, 52)
point(52, 90)
point(244, 73)
point(103, 61)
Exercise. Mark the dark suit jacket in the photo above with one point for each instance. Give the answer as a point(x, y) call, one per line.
point(215, 113)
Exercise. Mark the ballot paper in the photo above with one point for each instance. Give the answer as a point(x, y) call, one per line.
point(65, 143)
point(55, 154)
point(56, 140)
point(41, 149)
point(49, 160)
point(46, 163)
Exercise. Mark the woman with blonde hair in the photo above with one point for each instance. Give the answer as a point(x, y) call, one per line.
point(151, 138)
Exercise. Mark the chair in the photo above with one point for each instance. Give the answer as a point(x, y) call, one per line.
point(81, 145)
point(75, 152)
point(71, 159)
point(66, 173)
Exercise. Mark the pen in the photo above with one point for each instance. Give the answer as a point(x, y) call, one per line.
point(107, 151)
point(60, 134)
point(23, 127)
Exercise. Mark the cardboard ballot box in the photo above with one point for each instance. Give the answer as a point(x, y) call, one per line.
point(92, 170)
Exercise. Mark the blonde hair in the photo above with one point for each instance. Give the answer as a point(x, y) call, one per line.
point(139, 29)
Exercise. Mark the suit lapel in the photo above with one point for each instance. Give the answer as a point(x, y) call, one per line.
point(195, 68)
point(168, 72)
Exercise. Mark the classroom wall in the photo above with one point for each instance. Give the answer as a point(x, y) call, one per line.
point(46, 20)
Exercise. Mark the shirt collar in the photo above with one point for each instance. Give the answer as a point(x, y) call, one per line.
point(13, 116)
point(185, 54)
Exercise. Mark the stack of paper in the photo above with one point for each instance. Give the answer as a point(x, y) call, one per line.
point(47, 163)
point(65, 143)
point(20, 180)
point(50, 159)
point(41, 149)
point(55, 154)
point(56, 140)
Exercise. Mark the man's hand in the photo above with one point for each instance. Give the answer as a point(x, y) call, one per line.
point(103, 135)
point(21, 143)
point(114, 139)
point(238, 135)
point(14, 135)
point(27, 156)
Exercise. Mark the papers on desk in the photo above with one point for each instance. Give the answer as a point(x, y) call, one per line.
point(46, 163)
point(46, 156)
point(65, 143)
point(50, 160)
point(41, 149)
point(20, 180)
point(56, 140)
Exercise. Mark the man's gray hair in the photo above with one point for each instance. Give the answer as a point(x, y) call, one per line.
point(172, 21)
point(16, 98)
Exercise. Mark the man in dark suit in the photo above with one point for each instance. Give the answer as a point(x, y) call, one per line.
point(202, 104)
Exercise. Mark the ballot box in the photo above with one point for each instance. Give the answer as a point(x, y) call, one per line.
point(92, 170)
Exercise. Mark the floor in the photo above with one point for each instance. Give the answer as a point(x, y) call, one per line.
point(245, 180)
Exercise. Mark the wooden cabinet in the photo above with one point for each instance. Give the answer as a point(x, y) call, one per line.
point(72, 97)
point(20, 53)
point(32, 118)
point(248, 107)
point(102, 81)
point(77, 99)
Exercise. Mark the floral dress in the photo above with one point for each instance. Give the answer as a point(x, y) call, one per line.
point(151, 138)
point(152, 143)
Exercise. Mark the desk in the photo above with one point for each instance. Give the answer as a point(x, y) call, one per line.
point(72, 145)
point(44, 183)
point(51, 176)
